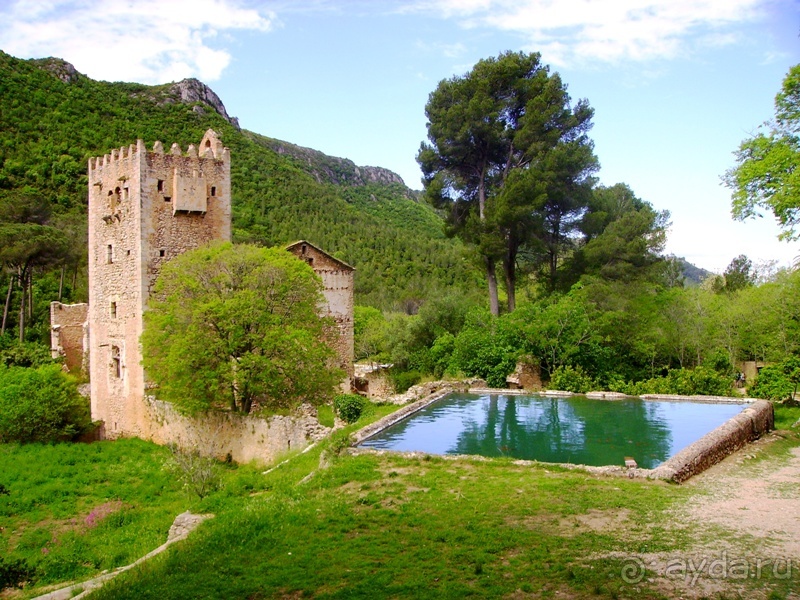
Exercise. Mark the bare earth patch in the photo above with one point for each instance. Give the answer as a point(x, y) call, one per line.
point(761, 499)
point(745, 516)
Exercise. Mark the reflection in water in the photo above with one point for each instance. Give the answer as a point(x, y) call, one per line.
point(575, 430)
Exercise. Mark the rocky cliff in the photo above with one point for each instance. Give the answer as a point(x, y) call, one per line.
point(331, 169)
point(190, 91)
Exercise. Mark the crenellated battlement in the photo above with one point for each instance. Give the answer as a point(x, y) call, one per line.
point(210, 148)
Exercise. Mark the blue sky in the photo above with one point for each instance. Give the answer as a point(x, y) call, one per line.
point(676, 84)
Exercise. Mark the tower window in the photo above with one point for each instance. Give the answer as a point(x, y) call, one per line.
point(110, 254)
point(116, 363)
point(162, 252)
point(113, 310)
point(160, 185)
point(167, 198)
point(213, 191)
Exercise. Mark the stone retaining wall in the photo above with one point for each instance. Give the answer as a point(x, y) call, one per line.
point(749, 425)
point(243, 438)
point(430, 392)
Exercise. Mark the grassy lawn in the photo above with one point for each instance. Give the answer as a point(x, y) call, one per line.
point(364, 527)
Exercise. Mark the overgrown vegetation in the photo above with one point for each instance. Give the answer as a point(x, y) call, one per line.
point(40, 405)
point(52, 127)
point(229, 326)
point(349, 407)
point(74, 509)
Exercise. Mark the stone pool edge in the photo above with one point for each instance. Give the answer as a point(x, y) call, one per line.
point(745, 427)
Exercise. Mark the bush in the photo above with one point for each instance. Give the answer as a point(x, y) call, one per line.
point(571, 379)
point(349, 407)
point(402, 380)
point(199, 474)
point(13, 573)
point(687, 382)
point(777, 382)
point(485, 348)
point(26, 354)
point(40, 405)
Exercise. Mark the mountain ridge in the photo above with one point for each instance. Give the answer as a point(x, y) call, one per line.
point(56, 118)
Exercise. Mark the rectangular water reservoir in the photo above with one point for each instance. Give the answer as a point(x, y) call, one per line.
point(574, 430)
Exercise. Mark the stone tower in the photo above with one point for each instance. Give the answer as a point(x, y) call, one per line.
point(145, 207)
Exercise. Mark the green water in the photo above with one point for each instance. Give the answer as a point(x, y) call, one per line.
point(564, 430)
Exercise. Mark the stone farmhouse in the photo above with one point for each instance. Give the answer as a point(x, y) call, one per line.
point(146, 207)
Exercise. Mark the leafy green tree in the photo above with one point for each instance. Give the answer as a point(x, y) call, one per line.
point(778, 382)
point(24, 247)
point(767, 174)
point(624, 236)
point(486, 347)
point(40, 405)
point(369, 332)
point(507, 121)
point(739, 274)
point(558, 331)
point(233, 325)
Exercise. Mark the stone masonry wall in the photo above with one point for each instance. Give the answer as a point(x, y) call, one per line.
point(225, 434)
point(144, 208)
point(749, 425)
point(337, 283)
point(69, 335)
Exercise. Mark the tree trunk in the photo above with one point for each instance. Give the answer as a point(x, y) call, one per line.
point(491, 279)
point(491, 273)
point(510, 270)
point(22, 278)
point(30, 296)
point(8, 303)
point(61, 283)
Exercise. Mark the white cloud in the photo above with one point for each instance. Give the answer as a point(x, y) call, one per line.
point(569, 31)
point(149, 41)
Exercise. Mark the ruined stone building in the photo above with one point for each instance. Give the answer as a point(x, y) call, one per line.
point(146, 207)
point(69, 335)
point(337, 287)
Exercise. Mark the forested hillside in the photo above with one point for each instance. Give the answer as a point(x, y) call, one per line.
point(54, 119)
point(598, 305)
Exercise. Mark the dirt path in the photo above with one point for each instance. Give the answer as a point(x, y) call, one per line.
point(760, 498)
point(745, 521)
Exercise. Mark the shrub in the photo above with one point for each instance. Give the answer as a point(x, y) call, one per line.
point(13, 573)
point(25, 354)
point(199, 474)
point(485, 348)
point(349, 407)
point(571, 379)
point(688, 382)
point(402, 380)
point(777, 382)
point(40, 405)
point(442, 354)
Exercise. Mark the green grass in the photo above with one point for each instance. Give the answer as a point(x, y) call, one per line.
point(786, 416)
point(363, 527)
point(325, 415)
point(73, 510)
point(427, 527)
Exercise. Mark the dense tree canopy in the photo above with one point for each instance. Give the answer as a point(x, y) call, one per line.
point(767, 174)
point(509, 158)
point(233, 325)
